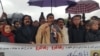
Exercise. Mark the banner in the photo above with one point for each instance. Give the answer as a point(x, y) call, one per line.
point(79, 49)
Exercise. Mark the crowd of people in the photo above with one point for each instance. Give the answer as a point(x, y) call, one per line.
point(50, 31)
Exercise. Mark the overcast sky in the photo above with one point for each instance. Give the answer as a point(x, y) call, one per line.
point(21, 6)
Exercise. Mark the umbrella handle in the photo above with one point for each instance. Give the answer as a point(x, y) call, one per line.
point(51, 6)
point(69, 16)
point(51, 9)
point(83, 17)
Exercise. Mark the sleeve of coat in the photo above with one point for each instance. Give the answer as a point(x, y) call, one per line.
point(66, 36)
point(38, 36)
point(70, 35)
point(90, 37)
point(86, 37)
point(60, 40)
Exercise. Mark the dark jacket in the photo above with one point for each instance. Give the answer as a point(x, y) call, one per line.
point(76, 35)
point(26, 34)
point(92, 36)
point(4, 39)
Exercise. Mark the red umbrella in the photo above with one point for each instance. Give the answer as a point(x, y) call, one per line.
point(83, 7)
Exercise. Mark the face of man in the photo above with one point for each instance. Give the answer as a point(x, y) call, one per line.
point(17, 24)
point(76, 20)
point(27, 21)
point(36, 23)
point(61, 23)
point(50, 19)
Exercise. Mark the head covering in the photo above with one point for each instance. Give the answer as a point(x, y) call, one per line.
point(10, 35)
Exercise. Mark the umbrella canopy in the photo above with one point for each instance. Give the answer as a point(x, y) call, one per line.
point(50, 3)
point(83, 7)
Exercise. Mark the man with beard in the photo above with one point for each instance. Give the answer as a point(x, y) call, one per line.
point(26, 33)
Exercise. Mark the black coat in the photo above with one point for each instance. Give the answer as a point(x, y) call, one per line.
point(26, 34)
point(4, 39)
point(76, 35)
point(92, 36)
